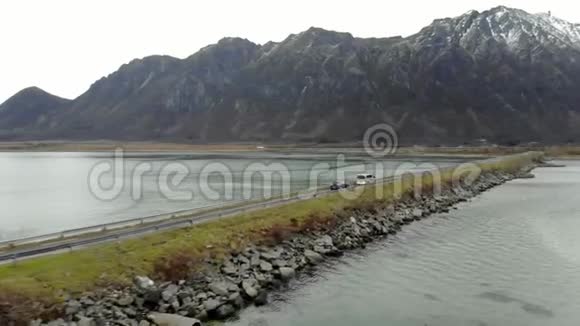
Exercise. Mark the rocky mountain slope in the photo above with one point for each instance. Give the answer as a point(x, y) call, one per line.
point(502, 74)
point(29, 108)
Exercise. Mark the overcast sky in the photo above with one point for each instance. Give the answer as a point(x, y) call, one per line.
point(62, 46)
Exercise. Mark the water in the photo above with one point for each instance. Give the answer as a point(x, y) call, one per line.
point(509, 257)
point(48, 192)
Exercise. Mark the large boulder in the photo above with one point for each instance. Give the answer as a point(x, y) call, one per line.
point(287, 273)
point(143, 283)
point(250, 288)
point(169, 292)
point(313, 257)
point(219, 288)
point(225, 311)
point(265, 266)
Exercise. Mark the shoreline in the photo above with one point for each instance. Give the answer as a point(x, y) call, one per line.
point(110, 146)
point(247, 276)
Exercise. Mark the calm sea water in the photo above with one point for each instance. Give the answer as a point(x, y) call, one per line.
point(48, 192)
point(509, 257)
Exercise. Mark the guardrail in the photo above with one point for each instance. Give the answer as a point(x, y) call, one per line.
point(109, 226)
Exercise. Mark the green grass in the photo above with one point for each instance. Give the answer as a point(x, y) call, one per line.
point(116, 263)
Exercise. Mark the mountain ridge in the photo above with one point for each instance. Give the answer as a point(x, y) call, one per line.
point(501, 74)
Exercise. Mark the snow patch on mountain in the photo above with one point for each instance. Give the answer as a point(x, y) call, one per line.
point(515, 28)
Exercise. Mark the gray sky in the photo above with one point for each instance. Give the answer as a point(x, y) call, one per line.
point(62, 46)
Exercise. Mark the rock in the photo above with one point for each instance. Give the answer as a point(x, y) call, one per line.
point(325, 241)
point(202, 296)
point(321, 250)
point(243, 260)
point(173, 320)
point(279, 263)
point(58, 322)
point(72, 307)
point(265, 266)
point(169, 292)
point(219, 288)
point(287, 273)
point(313, 257)
point(270, 255)
point(84, 321)
point(255, 261)
point(86, 301)
point(174, 303)
point(129, 312)
point(144, 323)
point(261, 278)
point(202, 315)
point(212, 304)
point(225, 311)
point(230, 270)
point(261, 299)
point(236, 299)
point(417, 213)
point(125, 301)
point(233, 288)
point(526, 176)
point(151, 298)
point(249, 288)
point(143, 282)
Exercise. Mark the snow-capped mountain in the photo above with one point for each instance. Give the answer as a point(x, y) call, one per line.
point(514, 28)
point(501, 74)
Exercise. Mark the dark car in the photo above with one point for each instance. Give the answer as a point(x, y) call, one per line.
point(338, 185)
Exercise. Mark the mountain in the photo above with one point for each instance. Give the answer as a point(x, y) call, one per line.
point(501, 74)
point(27, 109)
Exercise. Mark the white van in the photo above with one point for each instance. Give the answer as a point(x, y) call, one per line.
point(361, 180)
point(364, 179)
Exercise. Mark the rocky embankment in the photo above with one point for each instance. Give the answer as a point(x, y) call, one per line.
point(247, 277)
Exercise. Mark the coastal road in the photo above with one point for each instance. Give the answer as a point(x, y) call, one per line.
point(83, 241)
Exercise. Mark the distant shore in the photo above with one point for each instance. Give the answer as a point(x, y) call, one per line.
point(108, 146)
point(560, 151)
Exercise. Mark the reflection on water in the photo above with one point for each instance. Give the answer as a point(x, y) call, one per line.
point(509, 257)
point(48, 192)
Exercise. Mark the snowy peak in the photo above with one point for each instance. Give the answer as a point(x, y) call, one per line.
point(567, 29)
point(516, 29)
